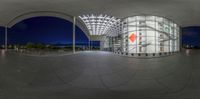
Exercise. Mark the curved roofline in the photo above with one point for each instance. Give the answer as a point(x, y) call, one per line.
point(61, 15)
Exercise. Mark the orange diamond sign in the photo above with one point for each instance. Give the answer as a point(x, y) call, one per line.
point(132, 37)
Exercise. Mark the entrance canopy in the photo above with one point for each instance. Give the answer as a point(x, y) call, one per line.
point(102, 25)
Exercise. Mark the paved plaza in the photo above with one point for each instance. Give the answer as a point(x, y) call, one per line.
point(99, 75)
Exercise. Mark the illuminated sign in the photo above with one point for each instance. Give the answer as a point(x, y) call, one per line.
point(132, 37)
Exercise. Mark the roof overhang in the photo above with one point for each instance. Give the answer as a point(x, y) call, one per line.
point(183, 12)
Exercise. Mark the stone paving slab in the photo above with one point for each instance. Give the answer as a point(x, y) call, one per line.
point(99, 75)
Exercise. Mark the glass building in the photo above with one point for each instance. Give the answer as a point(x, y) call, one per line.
point(148, 35)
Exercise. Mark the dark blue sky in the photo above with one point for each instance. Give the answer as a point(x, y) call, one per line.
point(48, 30)
point(2, 35)
point(191, 35)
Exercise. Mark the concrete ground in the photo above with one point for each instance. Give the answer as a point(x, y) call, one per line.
point(99, 75)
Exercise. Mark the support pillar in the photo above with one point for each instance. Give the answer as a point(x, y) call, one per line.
point(89, 42)
point(6, 38)
point(74, 35)
point(91, 45)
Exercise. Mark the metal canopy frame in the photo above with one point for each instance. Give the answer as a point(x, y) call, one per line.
point(102, 24)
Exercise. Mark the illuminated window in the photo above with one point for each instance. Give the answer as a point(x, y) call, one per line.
point(155, 34)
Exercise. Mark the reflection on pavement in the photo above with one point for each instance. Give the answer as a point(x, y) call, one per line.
point(2, 53)
point(187, 51)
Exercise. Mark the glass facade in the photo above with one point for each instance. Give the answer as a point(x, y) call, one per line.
point(148, 34)
point(137, 34)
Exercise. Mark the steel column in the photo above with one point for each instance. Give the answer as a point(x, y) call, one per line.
point(74, 34)
point(6, 38)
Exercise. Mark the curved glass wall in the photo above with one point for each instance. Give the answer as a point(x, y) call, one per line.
point(149, 34)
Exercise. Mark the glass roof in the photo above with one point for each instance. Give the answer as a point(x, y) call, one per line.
point(102, 24)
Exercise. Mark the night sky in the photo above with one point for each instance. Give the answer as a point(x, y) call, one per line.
point(191, 35)
point(2, 35)
point(46, 30)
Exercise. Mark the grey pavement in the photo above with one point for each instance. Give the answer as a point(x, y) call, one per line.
point(99, 75)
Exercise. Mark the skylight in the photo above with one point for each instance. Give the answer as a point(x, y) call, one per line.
point(102, 24)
